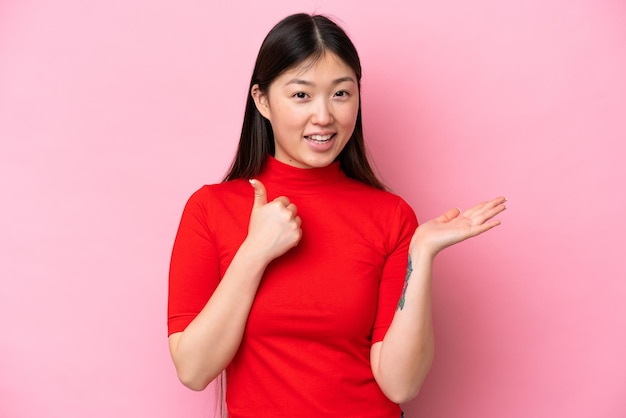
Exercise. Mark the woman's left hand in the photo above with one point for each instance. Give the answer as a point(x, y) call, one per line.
point(455, 226)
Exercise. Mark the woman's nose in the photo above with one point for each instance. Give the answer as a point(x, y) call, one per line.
point(322, 114)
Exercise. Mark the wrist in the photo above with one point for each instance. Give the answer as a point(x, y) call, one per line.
point(420, 250)
point(253, 255)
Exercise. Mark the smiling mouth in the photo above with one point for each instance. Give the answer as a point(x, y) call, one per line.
point(320, 139)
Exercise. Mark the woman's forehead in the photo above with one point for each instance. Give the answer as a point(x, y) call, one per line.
point(327, 65)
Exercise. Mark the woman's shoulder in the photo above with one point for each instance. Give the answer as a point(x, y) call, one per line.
point(381, 203)
point(377, 196)
point(209, 191)
point(210, 195)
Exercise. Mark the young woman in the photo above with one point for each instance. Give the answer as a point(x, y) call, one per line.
point(300, 276)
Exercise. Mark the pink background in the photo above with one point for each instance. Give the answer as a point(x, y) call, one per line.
point(113, 113)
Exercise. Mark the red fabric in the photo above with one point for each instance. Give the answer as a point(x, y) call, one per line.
point(319, 307)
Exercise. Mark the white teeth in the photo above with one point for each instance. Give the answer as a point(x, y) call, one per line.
point(320, 138)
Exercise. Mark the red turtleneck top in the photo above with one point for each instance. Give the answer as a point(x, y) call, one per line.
point(319, 307)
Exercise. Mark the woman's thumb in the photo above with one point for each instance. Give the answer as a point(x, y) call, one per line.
point(260, 195)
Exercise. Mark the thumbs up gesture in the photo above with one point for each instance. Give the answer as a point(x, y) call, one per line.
point(275, 226)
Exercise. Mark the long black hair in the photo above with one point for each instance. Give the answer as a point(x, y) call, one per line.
point(294, 40)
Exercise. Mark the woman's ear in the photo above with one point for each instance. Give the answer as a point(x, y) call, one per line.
point(261, 101)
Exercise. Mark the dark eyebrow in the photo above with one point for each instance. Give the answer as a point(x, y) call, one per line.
point(308, 83)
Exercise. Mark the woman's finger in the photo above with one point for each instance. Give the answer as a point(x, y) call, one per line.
point(484, 206)
point(448, 215)
point(481, 218)
point(292, 208)
point(283, 200)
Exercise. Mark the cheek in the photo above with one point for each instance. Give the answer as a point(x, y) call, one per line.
point(348, 115)
point(288, 118)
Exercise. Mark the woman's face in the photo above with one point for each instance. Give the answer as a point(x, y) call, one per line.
point(312, 109)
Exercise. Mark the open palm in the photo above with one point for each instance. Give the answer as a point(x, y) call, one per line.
point(455, 226)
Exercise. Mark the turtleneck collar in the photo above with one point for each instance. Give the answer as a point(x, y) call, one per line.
point(288, 178)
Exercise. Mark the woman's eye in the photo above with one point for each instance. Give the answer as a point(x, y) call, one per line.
point(342, 93)
point(300, 95)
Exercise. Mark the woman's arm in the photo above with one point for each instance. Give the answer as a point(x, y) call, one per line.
point(210, 341)
point(402, 360)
